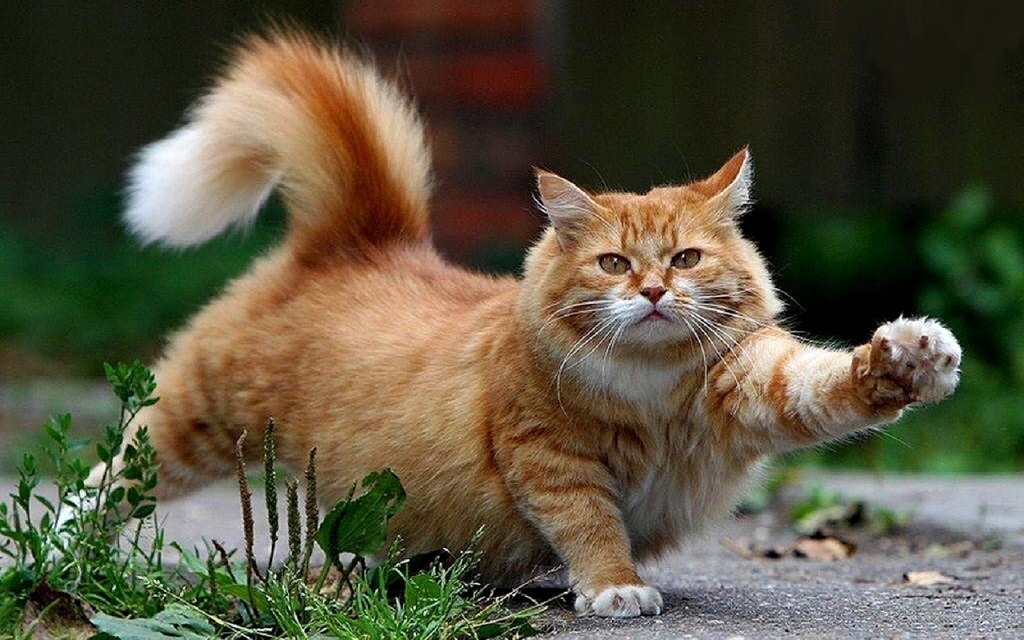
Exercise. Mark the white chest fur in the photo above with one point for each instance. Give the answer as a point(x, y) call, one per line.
point(647, 386)
point(682, 497)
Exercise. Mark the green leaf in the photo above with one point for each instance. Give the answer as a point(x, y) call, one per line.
point(17, 580)
point(46, 503)
point(190, 559)
point(77, 444)
point(515, 628)
point(175, 621)
point(240, 591)
point(144, 510)
point(421, 590)
point(359, 525)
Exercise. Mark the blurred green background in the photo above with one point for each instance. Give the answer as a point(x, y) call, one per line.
point(886, 141)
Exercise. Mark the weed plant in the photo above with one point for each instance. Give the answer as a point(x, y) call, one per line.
point(86, 560)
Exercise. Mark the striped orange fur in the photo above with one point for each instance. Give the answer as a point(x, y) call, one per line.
point(583, 416)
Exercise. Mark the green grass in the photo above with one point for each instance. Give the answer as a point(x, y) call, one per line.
point(54, 565)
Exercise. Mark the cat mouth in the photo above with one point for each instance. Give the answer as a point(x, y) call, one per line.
point(654, 316)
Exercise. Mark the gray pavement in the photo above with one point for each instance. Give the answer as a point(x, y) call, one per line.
point(969, 528)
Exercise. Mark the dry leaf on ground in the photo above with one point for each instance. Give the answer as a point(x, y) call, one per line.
point(827, 548)
point(927, 578)
point(57, 614)
point(950, 549)
point(809, 548)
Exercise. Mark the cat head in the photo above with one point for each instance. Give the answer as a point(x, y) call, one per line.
point(648, 270)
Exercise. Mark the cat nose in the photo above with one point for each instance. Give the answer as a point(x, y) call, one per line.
point(653, 293)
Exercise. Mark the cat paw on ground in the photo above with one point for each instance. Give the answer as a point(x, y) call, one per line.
point(621, 601)
point(908, 361)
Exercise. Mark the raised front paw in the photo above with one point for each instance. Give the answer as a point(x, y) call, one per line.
point(620, 601)
point(907, 361)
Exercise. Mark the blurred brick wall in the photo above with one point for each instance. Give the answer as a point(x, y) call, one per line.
point(480, 75)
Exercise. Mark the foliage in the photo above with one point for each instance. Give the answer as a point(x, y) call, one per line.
point(176, 621)
point(93, 292)
point(976, 256)
point(821, 509)
point(63, 546)
point(971, 258)
point(359, 526)
point(441, 602)
point(52, 540)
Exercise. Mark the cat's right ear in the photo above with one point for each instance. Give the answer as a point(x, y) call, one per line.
point(566, 206)
point(729, 188)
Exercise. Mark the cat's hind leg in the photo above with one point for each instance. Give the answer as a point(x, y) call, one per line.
point(191, 449)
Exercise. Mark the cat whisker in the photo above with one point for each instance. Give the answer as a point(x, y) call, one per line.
point(579, 344)
point(725, 330)
point(715, 308)
point(790, 298)
point(570, 314)
point(708, 329)
point(893, 437)
point(730, 341)
point(703, 354)
point(609, 332)
point(611, 344)
point(580, 305)
point(728, 293)
point(572, 304)
point(579, 308)
point(729, 310)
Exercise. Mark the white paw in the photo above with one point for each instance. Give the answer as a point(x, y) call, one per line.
point(909, 361)
point(625, 601)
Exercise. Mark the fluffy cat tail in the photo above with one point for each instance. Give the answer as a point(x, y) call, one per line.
point(345, 147)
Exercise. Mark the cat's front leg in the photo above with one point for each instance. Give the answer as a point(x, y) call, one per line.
point(570, 496)
point(585, 527)
point(784, 394)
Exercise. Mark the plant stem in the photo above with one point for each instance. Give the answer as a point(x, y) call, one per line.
point(247, 523)
point(294, 526)
point(312, 511)
point(270, 488)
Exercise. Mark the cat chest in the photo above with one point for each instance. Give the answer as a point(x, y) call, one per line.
point(646, 388)
point(679, 497)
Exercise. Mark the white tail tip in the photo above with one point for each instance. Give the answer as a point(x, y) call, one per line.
point(188, 187)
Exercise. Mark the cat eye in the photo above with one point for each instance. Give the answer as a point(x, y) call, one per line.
point(614, 264)
point(686, 259)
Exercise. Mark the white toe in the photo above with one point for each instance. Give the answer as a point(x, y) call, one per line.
point(927, 353)
point(625, 601)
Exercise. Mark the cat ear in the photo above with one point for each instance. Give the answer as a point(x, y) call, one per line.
point(566, 205)
point(729, 189)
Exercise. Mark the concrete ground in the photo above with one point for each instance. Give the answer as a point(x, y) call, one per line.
point(968, 528)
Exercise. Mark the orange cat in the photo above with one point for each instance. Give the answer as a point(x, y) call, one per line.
point(592, 413)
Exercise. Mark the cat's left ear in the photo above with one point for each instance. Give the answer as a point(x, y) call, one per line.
point(729, 188)
point(566, 205)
